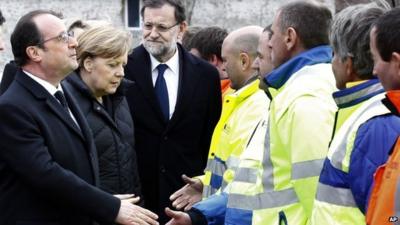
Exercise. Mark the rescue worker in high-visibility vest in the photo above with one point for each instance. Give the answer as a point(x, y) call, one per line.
point(277, 182)
point(240, 113)
point(365, 129)
point(384, 202)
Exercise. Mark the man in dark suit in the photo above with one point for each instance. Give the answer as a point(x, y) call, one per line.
point(175, 104)
point(48, 163)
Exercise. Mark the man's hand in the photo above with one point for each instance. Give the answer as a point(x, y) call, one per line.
point(188, 194)
point(178, 218)
point(130, 214)
point(129, 197)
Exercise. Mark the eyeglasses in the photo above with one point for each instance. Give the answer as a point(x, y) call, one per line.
point(64, 37)
point(159, 27)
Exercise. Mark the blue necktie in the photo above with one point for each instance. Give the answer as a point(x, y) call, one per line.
point(162, 91)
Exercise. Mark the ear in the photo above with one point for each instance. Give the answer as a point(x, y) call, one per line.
point(182, 29)
point(291, 38)
point(350, 73)
point(244, 61)
point(213, 60)
point(88, 64)
point(396, 61)
point(396, 58)
point(33, 53)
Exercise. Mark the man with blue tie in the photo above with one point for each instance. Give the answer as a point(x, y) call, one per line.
point(175, 104)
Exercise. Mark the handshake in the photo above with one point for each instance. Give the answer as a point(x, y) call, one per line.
point(184, 198)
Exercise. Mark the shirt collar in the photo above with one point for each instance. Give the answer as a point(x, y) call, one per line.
point(172, 63)
point(45, 84)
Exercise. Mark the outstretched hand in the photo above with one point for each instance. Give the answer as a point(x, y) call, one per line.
point(177, 217)
point(130, 214)
point(188, 195)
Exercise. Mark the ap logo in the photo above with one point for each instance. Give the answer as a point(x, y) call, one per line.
point(393, 219)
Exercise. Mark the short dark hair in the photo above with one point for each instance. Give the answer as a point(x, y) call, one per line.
point(26, 34)
point(387, 30)
point(2, 19)
point(77, 24)
point(208, 41)
point(310, 20)
point(180, 15)
point(188, 35)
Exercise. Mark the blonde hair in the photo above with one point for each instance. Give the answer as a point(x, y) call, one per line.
point(103, 41)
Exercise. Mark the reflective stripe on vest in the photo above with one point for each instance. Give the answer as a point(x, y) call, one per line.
point(269, 198)
point(232, 162)
point(208, 191)
point(215, 166)
point(248, 175)
point(264, 200)
point(338, 151)
point(306, 169)
point(335, 195)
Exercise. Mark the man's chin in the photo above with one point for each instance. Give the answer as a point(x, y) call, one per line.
point(155, 51)
point(75, 65)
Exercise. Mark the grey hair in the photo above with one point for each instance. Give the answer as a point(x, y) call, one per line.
point(349, 34)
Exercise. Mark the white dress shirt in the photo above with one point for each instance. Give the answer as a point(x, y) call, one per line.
point(171, 76)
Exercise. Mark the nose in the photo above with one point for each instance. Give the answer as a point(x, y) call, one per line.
point(223, 67)
point(72, 42)
point(255, 64)
point(154, 33)
point(120, 71)
point(270, 44)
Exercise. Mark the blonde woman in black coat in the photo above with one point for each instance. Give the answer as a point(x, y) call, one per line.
point(98, 87)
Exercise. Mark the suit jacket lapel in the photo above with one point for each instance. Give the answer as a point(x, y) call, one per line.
point(40, 93)
point(140, 73)
point(85, 132)
point(63, 115)
point(188, 78)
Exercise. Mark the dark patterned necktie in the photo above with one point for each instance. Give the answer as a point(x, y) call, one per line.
point(61, 98)
point(162, 91)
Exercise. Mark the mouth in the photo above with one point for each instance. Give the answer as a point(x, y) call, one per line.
point(153, 41)
point(115, 83)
